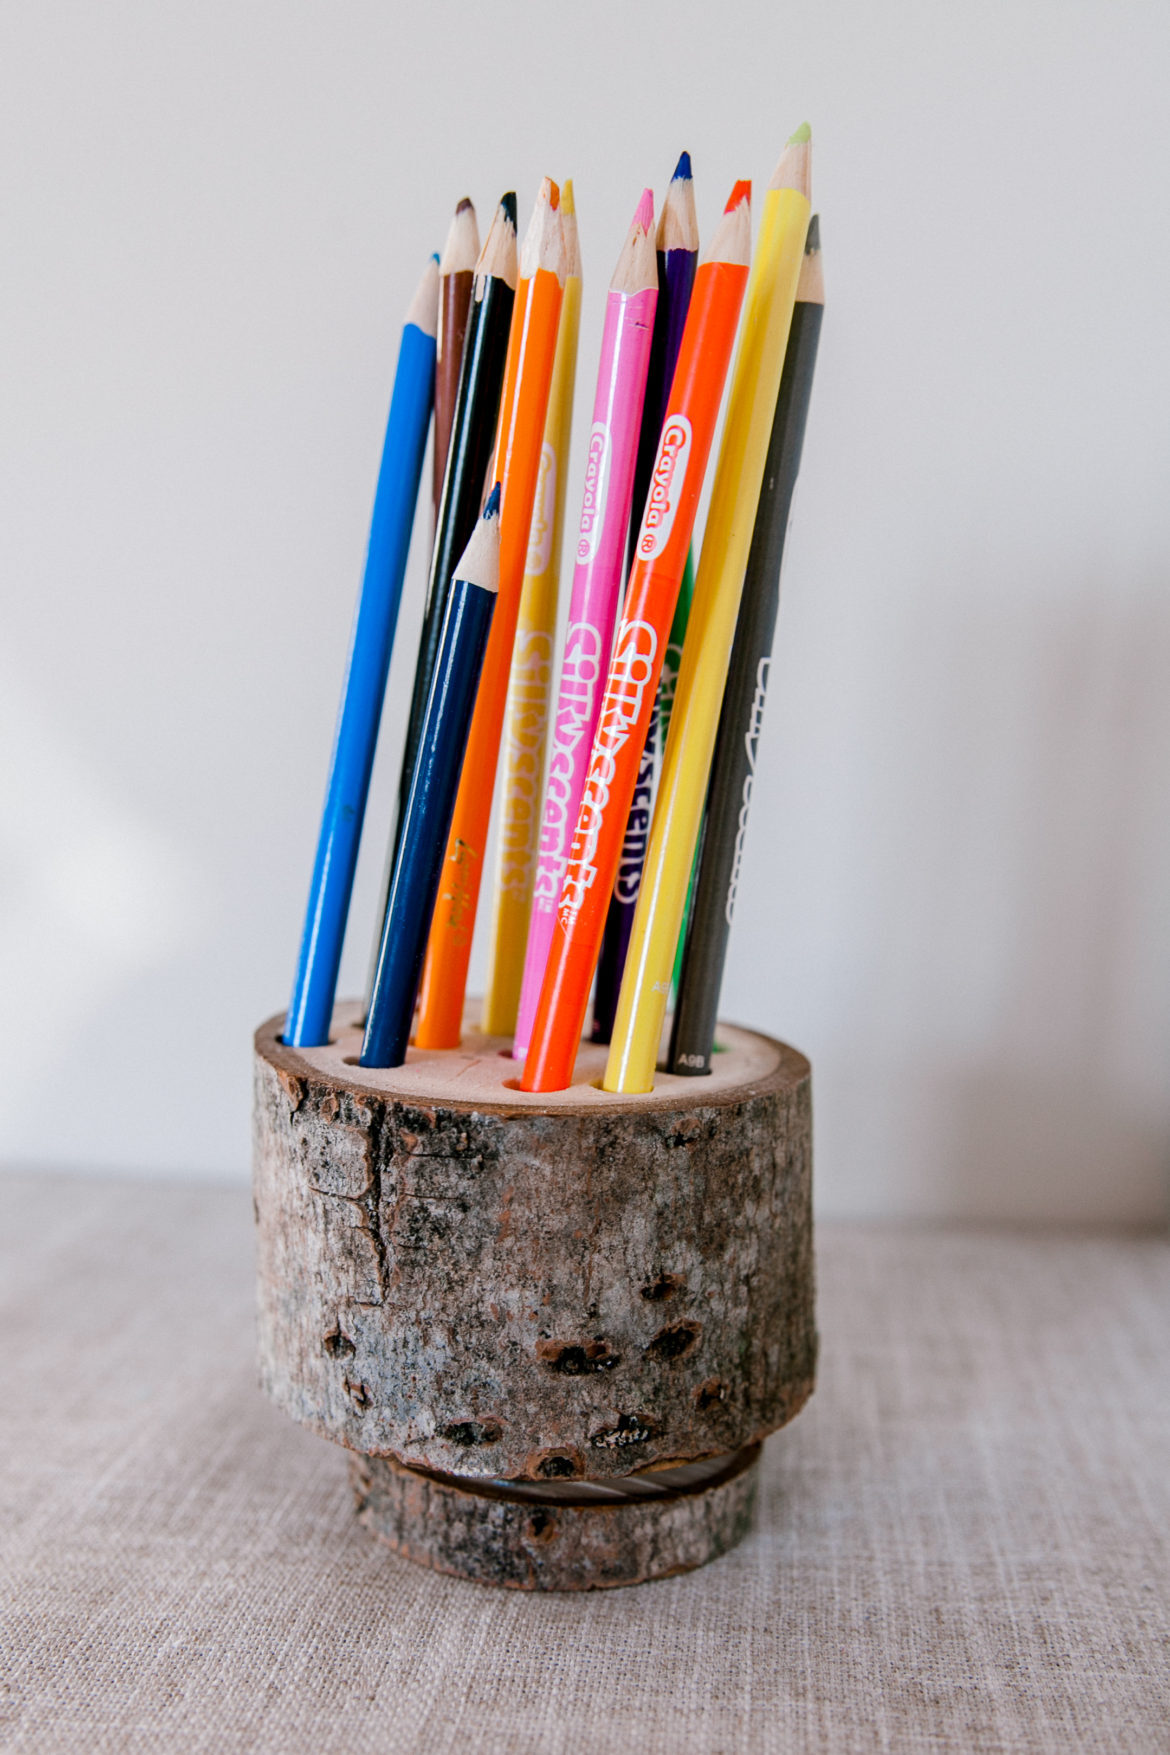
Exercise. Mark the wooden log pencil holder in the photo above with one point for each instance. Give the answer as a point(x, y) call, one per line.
point(553, 1331)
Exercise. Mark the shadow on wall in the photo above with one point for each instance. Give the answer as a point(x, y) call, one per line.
point(1018, 936)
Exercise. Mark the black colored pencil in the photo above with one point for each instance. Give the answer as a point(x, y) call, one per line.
point(473, 434)
point(426, 822)
point(729, 791)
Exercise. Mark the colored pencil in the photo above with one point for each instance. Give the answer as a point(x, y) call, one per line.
point(667, 522)
point(601, 537)
point(678, 253)
point(473, 431)
point(467, 622)
point(735, 495)
point(456, 273)
point(530, 680)
point(311, 1006)
point(729, 795)
point(527, 380)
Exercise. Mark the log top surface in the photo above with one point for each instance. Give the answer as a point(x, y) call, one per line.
point(480, 1074)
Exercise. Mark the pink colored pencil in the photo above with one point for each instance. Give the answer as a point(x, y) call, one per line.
point(601, 540)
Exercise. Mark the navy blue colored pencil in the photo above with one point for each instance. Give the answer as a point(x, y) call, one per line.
point(371, 642)
point(430, 805)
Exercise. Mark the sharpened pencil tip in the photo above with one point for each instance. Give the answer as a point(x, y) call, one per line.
point(508, 203)
point(434, 255)
point(682, 170)
point(801, 137)
point(567, 197)
point(464, 204)
point(741, 192)
point(544, 243)
point(644, 214)
point(480, 564)
point(812, 241)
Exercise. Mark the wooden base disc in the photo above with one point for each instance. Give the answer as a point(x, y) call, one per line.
point(480, 1531)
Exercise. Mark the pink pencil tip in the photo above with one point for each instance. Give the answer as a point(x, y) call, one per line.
point(741, 192)
point(644, 216)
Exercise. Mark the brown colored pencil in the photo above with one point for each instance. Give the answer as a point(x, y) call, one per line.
point(456, 273)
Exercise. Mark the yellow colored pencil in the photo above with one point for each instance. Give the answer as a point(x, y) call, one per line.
point(530, 679)
point(735, 495)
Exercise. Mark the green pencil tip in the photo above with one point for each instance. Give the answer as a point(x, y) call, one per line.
point(803, 133)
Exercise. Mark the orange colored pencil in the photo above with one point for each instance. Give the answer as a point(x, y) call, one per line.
point(532, 343)
point(660, 556)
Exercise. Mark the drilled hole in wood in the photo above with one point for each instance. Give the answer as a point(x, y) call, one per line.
point(542, 1526)
point(577, 1358)
point(468, 1432)
point(558, 1468)
point(630, 1429)
point(674, 1342)
point(665, 1286)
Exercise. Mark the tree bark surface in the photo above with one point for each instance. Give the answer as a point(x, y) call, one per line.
point(559, 1546)
point(485, 1283)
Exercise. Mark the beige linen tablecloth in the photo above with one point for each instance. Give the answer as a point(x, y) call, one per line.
point(961, 1544)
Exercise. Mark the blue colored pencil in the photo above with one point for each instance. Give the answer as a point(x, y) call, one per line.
point(430, 804)
point(311, 1008)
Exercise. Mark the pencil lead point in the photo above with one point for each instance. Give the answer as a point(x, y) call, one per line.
point(434, 256)
point(508, 203)
point(492, 509)
point(812, 241)
point(682, 170)
point(644, 215)
point(741, 192)
point(464, 204)
point(803, 134)
point(567, 197)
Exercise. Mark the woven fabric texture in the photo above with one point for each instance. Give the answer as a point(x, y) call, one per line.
point(961, 1544)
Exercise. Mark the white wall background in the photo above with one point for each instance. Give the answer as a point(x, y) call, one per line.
point(213, 214)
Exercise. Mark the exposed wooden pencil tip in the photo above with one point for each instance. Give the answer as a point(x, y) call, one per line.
point(480, 561)
point(678, 224)
point(498, 256)
point(732, 241)
point(810, 286)
point(423, 310)
point(462, 246)
point(570, 242)
point(741, 192)
point(544, 245)
point(637, 268)
point(794, 170)
point(567, 197)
